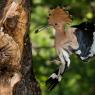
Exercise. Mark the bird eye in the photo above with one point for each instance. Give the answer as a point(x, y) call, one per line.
point(49, 14)
point(56, 24)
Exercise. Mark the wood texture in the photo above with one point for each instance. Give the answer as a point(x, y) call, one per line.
point(16, 70)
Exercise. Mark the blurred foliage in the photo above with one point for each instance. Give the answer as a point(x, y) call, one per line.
point(80, 77)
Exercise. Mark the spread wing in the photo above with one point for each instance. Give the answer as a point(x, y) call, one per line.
point(85, 33)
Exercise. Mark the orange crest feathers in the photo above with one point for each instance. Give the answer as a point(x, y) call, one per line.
point(58, 15)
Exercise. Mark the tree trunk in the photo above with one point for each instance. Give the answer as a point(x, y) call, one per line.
point(16, 70)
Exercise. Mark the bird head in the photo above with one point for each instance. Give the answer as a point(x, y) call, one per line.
point(58, 17)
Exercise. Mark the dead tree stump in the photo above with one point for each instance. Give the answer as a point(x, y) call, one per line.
point(16, 70)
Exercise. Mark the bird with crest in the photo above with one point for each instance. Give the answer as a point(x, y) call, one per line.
point(78, 39)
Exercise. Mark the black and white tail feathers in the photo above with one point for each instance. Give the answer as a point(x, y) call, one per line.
point(55, 78)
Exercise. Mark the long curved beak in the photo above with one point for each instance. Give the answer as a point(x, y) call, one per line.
point(42, 28)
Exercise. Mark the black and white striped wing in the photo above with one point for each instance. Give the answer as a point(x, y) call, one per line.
point(85, 33)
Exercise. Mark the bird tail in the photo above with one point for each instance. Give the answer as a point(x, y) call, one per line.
point(55, 78)
point(52, 80)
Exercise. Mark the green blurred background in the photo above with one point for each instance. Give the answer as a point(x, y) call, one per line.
point(80, 77)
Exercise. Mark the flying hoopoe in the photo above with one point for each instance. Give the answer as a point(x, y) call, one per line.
point(78, 39)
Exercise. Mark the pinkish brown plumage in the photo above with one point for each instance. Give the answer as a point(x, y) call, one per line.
point(65, 40)
point(58, 18)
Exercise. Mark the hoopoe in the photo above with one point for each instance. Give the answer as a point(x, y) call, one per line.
point(65, 42)
point(78, 39)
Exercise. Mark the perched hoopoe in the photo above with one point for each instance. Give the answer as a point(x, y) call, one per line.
point(78, 39)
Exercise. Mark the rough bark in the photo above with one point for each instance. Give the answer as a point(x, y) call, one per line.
point(16, 70)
